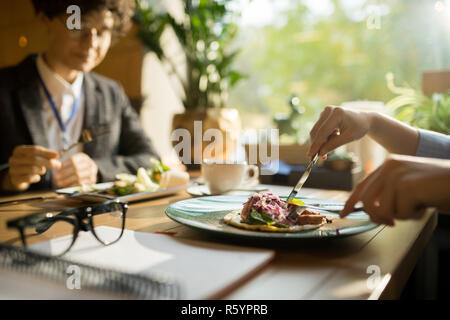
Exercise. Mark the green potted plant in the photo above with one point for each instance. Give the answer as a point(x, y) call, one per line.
point(419, 110)
point(205, 34)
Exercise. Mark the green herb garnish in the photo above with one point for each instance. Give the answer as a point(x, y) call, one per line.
point(158, 168)
point(263, 218)
point(123, 191)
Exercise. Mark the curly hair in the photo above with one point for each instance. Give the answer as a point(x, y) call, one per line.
point(122, 10)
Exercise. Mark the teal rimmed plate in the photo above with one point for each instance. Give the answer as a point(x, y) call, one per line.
point(206, 214)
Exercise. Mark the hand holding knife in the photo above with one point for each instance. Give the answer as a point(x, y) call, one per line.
point(293, 213)
point(305, 175)
point(303, 179)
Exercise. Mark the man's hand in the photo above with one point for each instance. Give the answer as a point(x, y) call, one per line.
point(26, 165)
point(337, 126)
point(402, 188)
point(77, 170)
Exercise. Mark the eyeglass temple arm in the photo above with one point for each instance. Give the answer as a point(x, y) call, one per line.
point(44, 226)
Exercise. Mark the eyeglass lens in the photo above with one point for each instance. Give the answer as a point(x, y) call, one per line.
point(59, 230)
point(111, 215)
point(106, 222)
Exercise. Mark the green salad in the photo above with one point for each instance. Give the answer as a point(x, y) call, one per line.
point(145, 180)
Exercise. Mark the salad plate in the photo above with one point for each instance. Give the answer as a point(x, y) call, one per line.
point(100, 194)
point(156, 182)
point(207, 214)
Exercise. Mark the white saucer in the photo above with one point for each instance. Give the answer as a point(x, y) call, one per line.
point(203, 190)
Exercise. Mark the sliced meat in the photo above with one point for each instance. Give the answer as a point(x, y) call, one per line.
point(309, 219)
point(247, 208)
point(308, 216)
point(308, 212)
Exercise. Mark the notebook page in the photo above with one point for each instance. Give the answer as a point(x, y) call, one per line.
point(203, 269)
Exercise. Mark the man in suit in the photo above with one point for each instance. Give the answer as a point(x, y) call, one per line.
point(48, 99)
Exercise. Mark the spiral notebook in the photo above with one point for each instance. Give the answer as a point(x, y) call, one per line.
point(139, 266)
point(26, 274)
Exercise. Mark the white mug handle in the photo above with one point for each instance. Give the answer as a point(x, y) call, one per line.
point(251, 176)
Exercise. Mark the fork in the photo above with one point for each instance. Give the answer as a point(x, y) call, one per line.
point(333, 208)
point(87, 135)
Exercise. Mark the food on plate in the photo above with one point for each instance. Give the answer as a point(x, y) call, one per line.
point(128, 183)
point(267, 212)
point(145, 180)
point(173, 178)
point(148, 180)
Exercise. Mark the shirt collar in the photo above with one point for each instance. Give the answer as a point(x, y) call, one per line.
point(55, 83)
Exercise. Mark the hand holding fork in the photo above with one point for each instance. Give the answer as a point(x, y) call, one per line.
point(28, 163)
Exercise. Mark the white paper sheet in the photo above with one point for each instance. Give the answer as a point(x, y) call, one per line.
point(203, 269)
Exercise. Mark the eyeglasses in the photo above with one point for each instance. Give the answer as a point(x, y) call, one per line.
point(49, 225)
point(86, 31)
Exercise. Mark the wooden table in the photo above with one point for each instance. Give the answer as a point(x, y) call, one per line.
point(337, 269)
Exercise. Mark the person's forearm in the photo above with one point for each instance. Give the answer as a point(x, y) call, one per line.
point(393, 135)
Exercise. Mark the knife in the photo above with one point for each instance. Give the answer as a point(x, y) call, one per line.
point(13, 202)
point(74, 195)
point(300, 184)
point(303, 178)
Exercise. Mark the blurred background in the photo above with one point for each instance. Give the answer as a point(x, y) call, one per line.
point(318, 49)
point(260, 64)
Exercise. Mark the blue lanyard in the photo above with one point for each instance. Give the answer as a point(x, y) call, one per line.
point(76, 104)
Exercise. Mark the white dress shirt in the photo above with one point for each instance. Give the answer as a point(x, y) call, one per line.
point(64, 95)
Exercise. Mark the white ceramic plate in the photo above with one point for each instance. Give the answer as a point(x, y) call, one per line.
point(203, 190)
point(128, 198)
point(207, 213)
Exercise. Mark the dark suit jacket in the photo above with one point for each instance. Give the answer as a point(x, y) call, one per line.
point(124, 149)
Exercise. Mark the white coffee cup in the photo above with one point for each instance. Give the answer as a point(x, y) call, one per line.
point(221, 177)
